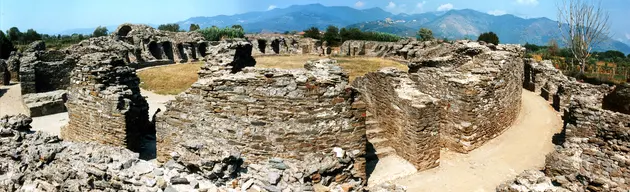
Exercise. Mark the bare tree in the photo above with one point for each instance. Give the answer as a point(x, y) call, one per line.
point(583, 25)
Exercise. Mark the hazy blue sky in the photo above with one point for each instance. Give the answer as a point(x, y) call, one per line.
point(56, 15)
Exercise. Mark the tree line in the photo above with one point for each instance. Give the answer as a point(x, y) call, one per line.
point(335, 36)
point(14, 39)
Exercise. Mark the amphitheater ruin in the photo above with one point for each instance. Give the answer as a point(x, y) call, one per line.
point(242, 128)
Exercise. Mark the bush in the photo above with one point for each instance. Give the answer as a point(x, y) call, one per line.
point(174, 27)
point(357, 34)
point(312, 32)
point(6, 46)
point(489, 37)
point(99, 31)
point(216, 34)
point(425, 34)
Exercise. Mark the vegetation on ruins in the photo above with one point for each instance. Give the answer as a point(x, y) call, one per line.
point(21, 40)
point(174, 27)
point(194, 27)
point(216, 34)
point(424, 34)
point(99, 31)
point(489, 37)
point(582, 26)
point(332, 36)
point(312, 32)
point(6, 46)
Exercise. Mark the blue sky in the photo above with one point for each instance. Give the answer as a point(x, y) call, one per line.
point(50, 16)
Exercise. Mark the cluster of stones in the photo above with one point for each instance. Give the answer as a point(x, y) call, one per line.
point(36, 161)
point(592, 150)
point(455, 96)
point(287, 45)
point(297, 115)
point(104, 103)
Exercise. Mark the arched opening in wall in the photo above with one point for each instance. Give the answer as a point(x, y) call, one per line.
point(124, 30)
point(203, 47)
point(243, 58)
point(193, 51)
point(182, 53)
point(262, 44)
point(275, 46)
point(168, 50)
point(154, 49)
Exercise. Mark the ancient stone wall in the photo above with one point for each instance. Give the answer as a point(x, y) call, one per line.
point(367, 48)
point(403, 120)
point(5, 75)
point(43, 71)
point(41, 104)
point(619, 99)
point(104, 103)
point(273, 44)
point(161, 47)
point(265, 113)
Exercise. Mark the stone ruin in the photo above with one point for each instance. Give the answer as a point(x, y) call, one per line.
point(455, 96)
point(104, 103)
point(369, 48)
point(262, 114)
point(287, 45)
point(5, 75)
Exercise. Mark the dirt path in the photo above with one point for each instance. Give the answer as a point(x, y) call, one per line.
point(156, 101)
point(11, 100)
point(520, 148)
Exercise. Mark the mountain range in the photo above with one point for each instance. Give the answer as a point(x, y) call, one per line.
point(453, 24)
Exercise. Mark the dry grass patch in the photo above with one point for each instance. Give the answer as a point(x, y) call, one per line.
point(354, 66)
point(169, 79)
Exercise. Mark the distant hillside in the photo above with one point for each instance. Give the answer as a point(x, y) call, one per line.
point(458, 24)
point(296, 17)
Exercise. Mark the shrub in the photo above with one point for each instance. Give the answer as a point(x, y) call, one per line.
point(312, 32)
point(174, 27)
point(489, 37)
point(215, 33)
point(425, 34)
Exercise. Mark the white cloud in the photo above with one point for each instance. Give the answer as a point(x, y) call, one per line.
point(421, 4)
point(527, 2)
point(391, 5)
point(271, 7)
point(628, 36)
point(497, 12)
point(359, 4)
point(445, 7)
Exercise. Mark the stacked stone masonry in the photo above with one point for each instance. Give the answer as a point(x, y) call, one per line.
point(463, 94)
point(265, 113)
point(272, 44)
point(104, 103)
point(5, 75)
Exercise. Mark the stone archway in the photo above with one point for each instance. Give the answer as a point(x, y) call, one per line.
point(262, 45)
point(182, 52)
point(168, 50)
point(155, 50)
point(203, 48)
point(124, 30)
point(275, 46)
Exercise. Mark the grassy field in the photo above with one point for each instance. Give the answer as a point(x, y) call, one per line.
point(170, 79)
point(354, 66)
point(174, 79)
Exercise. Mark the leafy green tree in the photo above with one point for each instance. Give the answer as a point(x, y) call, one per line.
point(100, 31)
point(628, 56)
point(31, 35)
point(14, 34)
point(425, 34)
point(332, 35)
point(194, 27)
point(174, 27)
point(312, 32)
point(489, 37)
point(216, 34)
point(286, 32)
point(6, 46)
point(237, 27)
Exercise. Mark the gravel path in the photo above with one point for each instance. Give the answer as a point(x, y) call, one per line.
point(521, 147)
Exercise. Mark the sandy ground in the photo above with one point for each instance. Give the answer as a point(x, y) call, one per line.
point(11, 104)
point(522, 147)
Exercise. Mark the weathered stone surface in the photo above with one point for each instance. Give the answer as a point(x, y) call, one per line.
point(456, 96)
point(272, 44)
point(47, 103)
point(368, 48)
point(5, 75)
point(104, 103)
point(43, 71)
point(619, 99)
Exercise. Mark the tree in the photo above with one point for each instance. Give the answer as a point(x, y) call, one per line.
point(628, 56)
point(553, 47)
point(14, 34)
point(332, 35)
point(194, 27)
point(582, 26)
point(174, 27)
point(31, 35)
point(6, 46)
point(425, 34)
point(237, 27)
point(312, 32)
point(99, 31)
point(489, 37)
